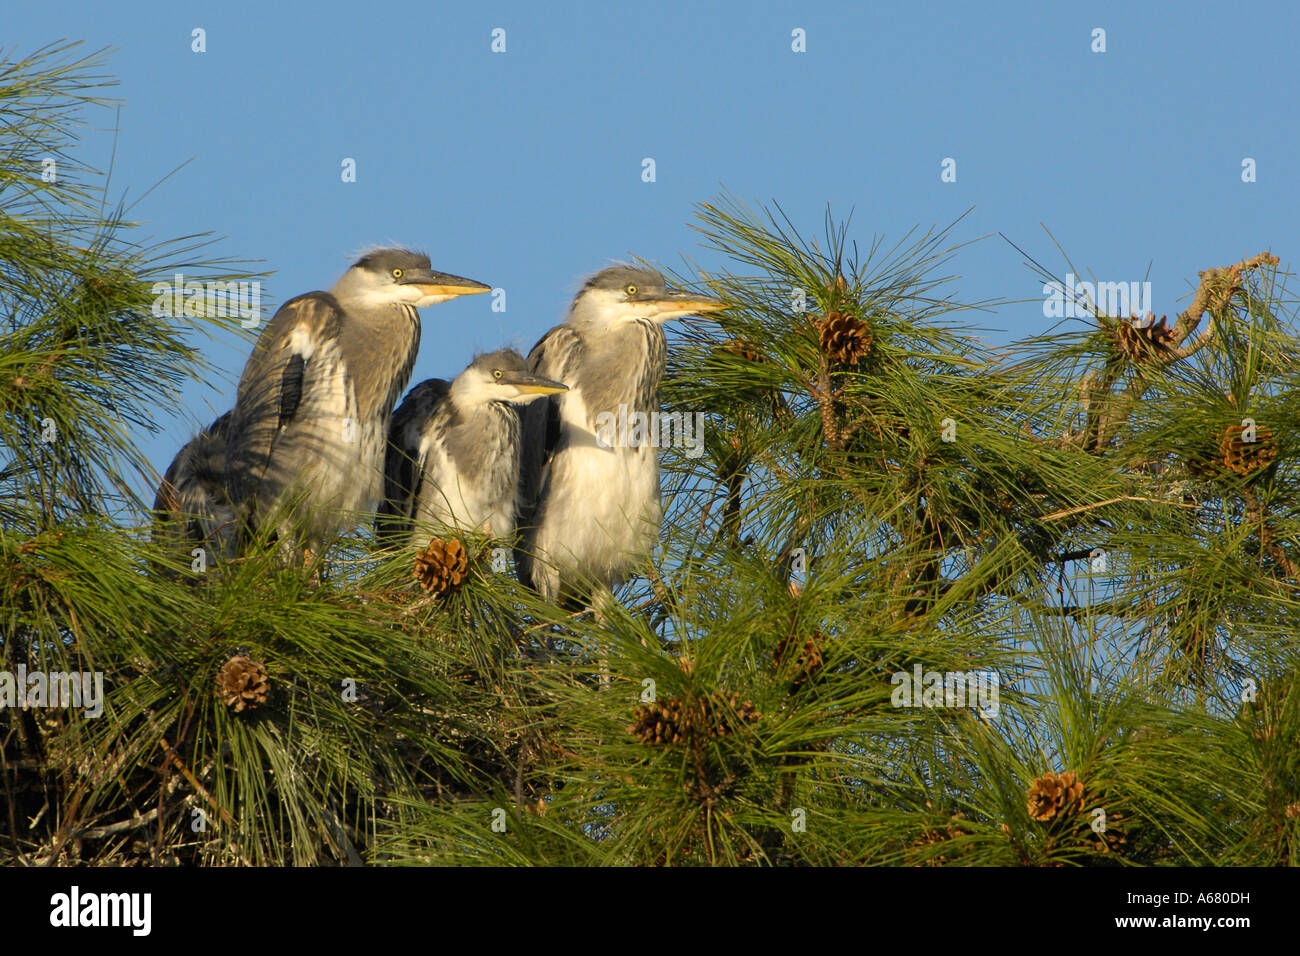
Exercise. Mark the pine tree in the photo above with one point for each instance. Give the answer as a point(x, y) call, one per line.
point(1103, 518)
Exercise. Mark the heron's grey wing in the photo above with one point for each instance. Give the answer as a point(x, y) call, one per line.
point(404, 462)
point(192, 506)
point(557, 356)
point(271, 388)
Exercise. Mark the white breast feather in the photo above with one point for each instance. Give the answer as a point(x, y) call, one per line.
point(614, 491)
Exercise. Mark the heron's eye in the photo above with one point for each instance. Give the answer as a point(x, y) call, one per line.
point(397, 273)
point(496, 373)
point(630, 290)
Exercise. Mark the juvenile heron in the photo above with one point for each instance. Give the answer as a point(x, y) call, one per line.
point(311, 417)
point(453, 450)
point(591, 507)
point(192, 508)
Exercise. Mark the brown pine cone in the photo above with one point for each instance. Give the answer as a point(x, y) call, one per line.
point(721, 713)
point(808, 661)
point(442, 567)
point(744, 348)
point(1055, 795)
point(672, 720)
point(956, 827)
point(1112, 839)
point(660, 722)
point(845, 339)
point(1247, 458)
point(243, 684)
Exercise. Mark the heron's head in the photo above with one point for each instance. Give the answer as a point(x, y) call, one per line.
point(502, 376)
point(623, 294)
point(401, 277)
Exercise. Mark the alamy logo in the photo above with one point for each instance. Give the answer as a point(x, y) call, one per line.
point(54, 689)
point(923, 688)
point(1084, 300)
point(217, 299)
point(637, 429)
point(102, 909)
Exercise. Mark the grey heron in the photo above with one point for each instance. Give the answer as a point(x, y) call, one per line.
point(453, 450)
point(591, 508)
point(305, 448)
point(192, 509)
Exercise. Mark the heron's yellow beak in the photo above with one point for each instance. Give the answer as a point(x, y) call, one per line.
point(697, 306)
point(677, 304)
point(542, 389)
point(529, 384)
point(442, 284)
point(444, 289)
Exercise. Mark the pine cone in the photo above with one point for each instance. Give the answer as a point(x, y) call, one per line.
point(100, 292)
point(660, 723)
point(1144, 344)
point(719, 713)
point(243, 683)
point(442, 567)
point(1247, 458)
point(845, 339)
point(744, 348)
point(1055, 795)
point(671, 720)
point(957, 826)
point(808, 661)
point(1112, 838)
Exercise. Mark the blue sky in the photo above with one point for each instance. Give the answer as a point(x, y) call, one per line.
point(523, 169)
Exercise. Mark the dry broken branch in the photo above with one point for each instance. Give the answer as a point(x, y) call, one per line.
point(1214, 294)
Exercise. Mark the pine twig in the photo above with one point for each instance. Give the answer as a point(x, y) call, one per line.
point(174, 757)
point(1267, 539)
point(1110, 501)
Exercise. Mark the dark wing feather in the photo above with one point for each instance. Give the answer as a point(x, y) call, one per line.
point(271, 388)
point(291, 388)
point(556, 356)
point(403, 462)
point(552, 427)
